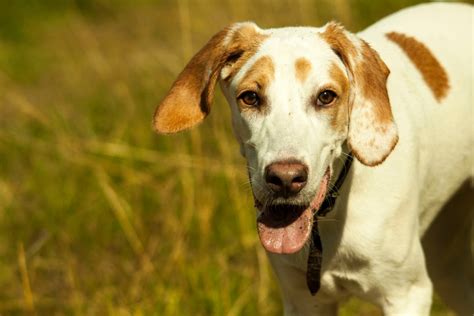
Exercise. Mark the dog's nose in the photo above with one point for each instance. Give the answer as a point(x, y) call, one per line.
point(286, 178)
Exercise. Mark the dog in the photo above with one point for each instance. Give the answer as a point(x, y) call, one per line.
point(398, 98)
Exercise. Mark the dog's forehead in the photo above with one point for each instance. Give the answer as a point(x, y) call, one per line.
point(296, 34)
point(293, 49)
point(295, 42)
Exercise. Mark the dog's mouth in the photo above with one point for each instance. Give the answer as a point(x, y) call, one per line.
point(285, 228)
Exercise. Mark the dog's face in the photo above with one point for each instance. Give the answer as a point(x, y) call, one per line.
point(290, 112)
point(296, 95)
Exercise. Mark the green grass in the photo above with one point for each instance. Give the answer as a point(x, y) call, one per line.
point(98, 215)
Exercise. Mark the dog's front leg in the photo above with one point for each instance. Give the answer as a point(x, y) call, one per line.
point(408, 289)
point(297, 300)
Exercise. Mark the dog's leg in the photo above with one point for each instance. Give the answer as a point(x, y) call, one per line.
point(398, 268)
point(412, 293)
point(297, 299)
point(448, 250)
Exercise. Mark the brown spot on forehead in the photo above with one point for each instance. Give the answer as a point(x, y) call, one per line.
point(243, 44)
point(258, 78)
point(430, 68)
point(302, 69)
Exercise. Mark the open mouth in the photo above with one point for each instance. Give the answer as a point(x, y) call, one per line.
point(285, 228)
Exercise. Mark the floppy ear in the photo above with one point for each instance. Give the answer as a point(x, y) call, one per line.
point(189, 99)
point(372, 131)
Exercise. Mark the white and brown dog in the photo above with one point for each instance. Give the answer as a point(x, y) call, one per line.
point(398, 97)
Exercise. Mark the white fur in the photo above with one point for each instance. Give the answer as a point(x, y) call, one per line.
point(367, 135)
point(371, 239)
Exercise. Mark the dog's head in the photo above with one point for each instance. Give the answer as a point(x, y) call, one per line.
point(296, 95)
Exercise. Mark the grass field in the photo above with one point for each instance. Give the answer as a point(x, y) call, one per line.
point(100, 216)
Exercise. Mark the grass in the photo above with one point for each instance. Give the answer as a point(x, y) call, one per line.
point(98, 215)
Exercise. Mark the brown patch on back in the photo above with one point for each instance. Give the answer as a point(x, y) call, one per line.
point(430, 68)
point(302, 69)
point(257, 79)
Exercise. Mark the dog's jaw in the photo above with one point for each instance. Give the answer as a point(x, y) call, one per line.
point(288, 233)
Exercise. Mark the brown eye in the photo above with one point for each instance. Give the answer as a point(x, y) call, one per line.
point(325, 98)
point(250, 98)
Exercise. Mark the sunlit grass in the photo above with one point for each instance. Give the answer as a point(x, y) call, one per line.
point(98, 215)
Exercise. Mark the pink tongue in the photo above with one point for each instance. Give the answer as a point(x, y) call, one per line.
point(287, 239)
point(291, 237)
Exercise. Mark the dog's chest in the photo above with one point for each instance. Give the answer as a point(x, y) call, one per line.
point(336, 283)
point(344, 273)
point(349, 252)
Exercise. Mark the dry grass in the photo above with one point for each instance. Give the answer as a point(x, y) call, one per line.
point(97, 214)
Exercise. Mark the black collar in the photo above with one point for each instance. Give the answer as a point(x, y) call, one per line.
point(330, 200)
point(315, 258)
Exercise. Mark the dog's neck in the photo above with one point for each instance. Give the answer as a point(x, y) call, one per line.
point(313, 272)
point(339, 162)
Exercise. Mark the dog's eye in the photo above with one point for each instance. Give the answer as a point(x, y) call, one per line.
point(325, 98)
point(250, 98)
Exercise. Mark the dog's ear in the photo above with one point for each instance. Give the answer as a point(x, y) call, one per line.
point(189, 100)
point(372, 131)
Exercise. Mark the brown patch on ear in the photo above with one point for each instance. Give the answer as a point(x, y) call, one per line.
point(339, 111)
point(372, 131)
point(371, 74)
point(302, 68)
point(336, 37)
point(190, 97)
point(430, 68)
point(244, 44)
point(257, 78)
point(338, 75)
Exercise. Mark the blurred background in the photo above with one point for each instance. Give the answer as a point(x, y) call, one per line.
point(99, 215)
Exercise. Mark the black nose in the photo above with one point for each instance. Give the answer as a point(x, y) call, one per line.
point(286, 178)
